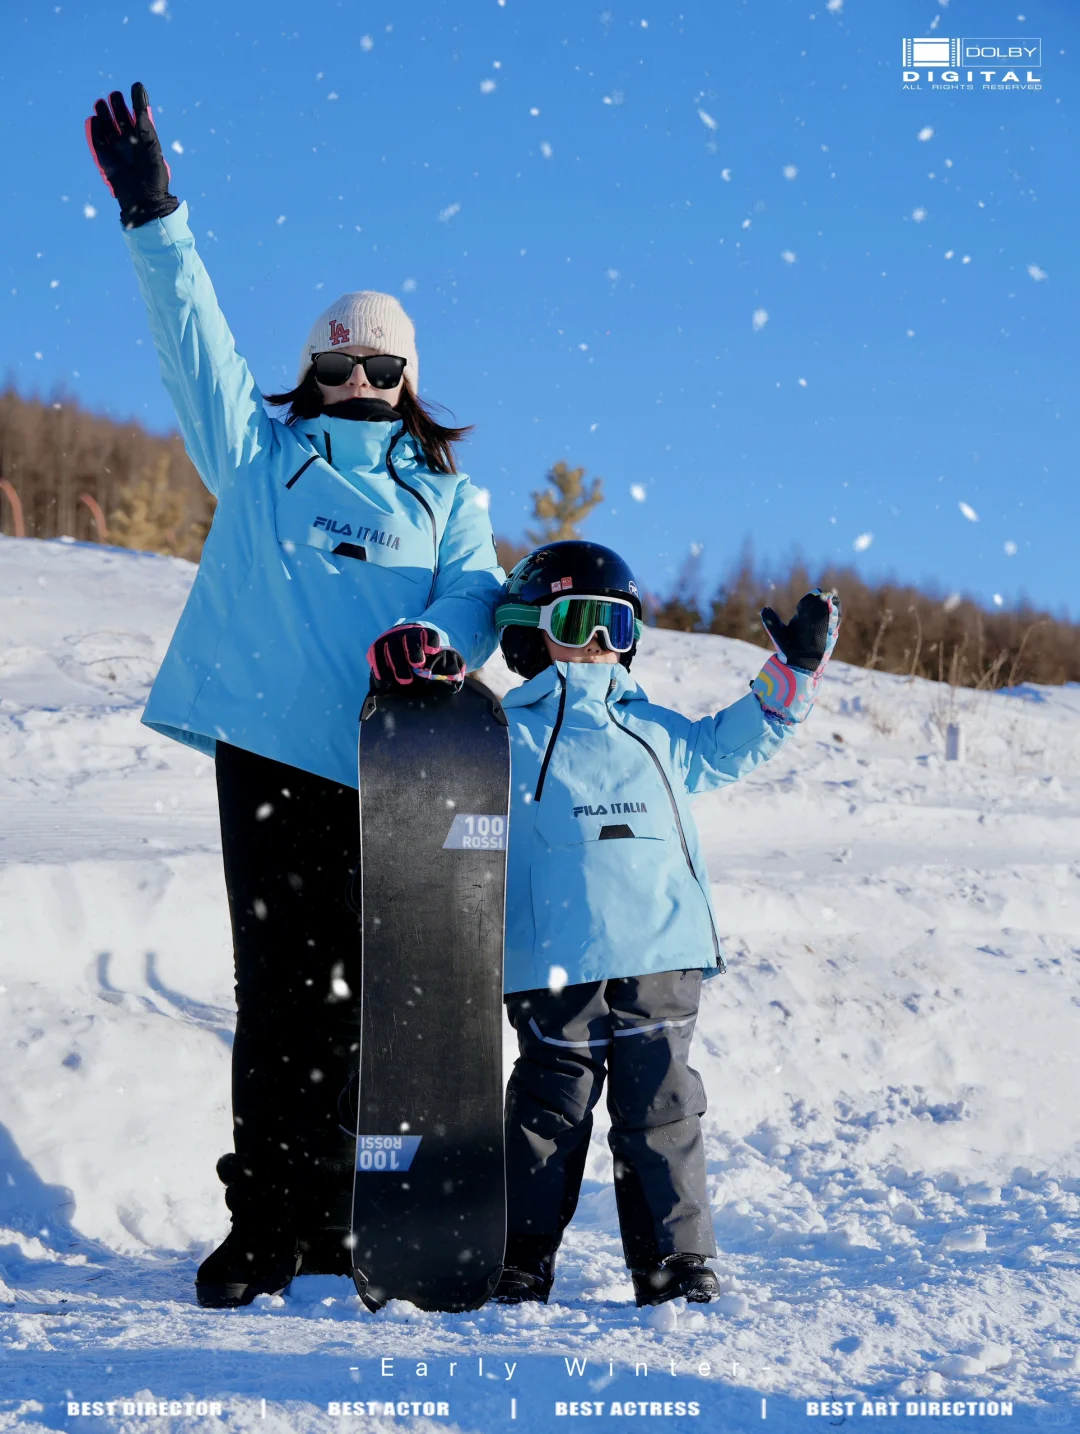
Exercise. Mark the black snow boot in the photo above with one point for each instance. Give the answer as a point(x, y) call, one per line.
point(259, 1255)
point(526, 1278)
point(685, 1275)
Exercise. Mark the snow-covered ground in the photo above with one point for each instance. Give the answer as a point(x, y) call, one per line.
point(892, 1067)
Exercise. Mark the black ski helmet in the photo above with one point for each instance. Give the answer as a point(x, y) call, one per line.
point(544, 575)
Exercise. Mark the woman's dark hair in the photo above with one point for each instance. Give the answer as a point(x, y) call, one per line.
point(436, 441)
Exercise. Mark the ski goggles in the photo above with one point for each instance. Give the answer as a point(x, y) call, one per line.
point(575, 621)
point(380, 370)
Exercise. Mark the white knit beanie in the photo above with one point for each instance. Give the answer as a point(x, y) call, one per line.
point(368, 319)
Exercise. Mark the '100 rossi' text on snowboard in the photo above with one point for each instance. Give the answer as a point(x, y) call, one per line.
point(429, 1198)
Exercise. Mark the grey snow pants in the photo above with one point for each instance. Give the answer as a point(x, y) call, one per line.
point(634, 1031)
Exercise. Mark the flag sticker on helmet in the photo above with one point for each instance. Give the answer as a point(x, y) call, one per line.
point(561, 584)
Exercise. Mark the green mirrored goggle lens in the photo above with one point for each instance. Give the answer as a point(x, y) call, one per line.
point(574, 620)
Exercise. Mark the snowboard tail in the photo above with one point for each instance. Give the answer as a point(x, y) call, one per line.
point(429, 1200)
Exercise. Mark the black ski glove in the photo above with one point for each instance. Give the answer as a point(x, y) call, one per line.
point(412, 650)
point(804, 641)
point(127, 151)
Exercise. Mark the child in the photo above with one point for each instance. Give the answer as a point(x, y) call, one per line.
point(609, 928)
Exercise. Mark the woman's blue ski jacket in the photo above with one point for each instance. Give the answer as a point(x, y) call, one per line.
point(326, 533)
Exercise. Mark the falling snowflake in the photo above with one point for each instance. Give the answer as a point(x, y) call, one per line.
point(707, 119)
point(790, 171)
point(725, 175)
point(54, 283)
point(966, 259)
point(280, 219)
point(862, 542)
point(1010, 548)
point(557, 979)
point(638, 493)
point(483, 498)
point(159, 7)
point(759, 319)
point(534, 111)
point(444, 216)
point(366, 42)
point(834, 6)
point(918, 215)
point(998, 600)
point(612, 274)
point(176, 147)
point(89, 212)
point(927, 132)
point(486, 86)
point(1036, 273)
point(408, 286)
point(968, 512)
point(802, 383)
point(949, 253)
point(788, 256)
point(696, 549)
point(546, 149)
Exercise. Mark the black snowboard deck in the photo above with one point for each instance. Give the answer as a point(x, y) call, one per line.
point(429, 1194)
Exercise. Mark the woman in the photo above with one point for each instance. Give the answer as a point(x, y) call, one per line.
point(341, 531)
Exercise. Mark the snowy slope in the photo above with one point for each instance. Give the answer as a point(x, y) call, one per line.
point(891, 1064)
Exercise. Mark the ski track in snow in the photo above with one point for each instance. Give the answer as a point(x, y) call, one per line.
point(891, 1065)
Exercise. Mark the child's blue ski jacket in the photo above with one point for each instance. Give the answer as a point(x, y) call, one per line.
point(605, 872)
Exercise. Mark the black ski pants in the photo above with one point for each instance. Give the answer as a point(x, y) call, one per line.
point(291, 846)
point(636, 1032)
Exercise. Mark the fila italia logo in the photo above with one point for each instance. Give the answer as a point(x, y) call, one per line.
point(339, 334)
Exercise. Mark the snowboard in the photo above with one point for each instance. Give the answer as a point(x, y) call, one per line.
point(429, 1191)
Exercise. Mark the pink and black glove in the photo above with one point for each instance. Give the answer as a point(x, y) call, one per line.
point(787, 685)
point(128, 154)
point(410, 651)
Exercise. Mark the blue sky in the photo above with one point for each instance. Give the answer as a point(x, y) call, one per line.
point(584, 207)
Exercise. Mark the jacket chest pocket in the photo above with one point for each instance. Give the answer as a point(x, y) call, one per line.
point(565, 817)
point(320, 515)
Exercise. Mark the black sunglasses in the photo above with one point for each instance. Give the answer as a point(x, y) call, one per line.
point(380, 370)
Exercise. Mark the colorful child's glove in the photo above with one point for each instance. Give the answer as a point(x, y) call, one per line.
point(410, 651)
point(787, 685)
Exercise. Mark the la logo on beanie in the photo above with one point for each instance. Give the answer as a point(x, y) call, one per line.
point(339, 334)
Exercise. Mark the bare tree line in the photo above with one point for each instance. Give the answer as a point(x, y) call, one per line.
point(68, 473)
point(890, 626)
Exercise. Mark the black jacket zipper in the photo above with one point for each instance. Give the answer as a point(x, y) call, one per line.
point(678, 822)
point(426, 507)
point(551, 743)
point(418, 496)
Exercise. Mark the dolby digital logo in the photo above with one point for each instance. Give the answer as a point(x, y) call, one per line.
point(973, 63)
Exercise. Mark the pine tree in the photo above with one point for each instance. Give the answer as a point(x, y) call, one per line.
point(561, 508)
point(149, 513)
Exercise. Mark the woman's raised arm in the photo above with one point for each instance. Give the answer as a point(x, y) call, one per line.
point(218, 405)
